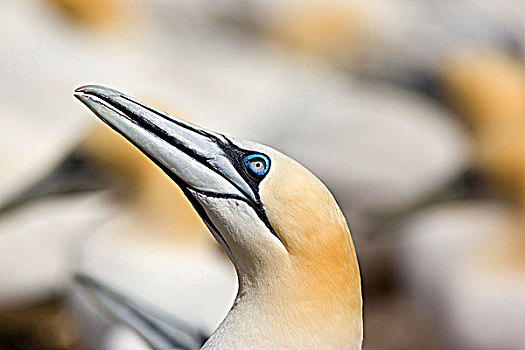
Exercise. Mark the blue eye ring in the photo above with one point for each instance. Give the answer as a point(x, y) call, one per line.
point(248, 162)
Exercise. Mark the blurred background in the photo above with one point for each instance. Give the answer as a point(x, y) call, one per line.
point(413, 114)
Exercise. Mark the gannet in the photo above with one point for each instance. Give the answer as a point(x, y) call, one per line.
point(299, 280)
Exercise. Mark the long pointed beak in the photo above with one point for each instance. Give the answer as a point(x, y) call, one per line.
point(159, 329)
point(194, 157)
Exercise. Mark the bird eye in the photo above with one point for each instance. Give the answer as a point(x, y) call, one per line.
point(257, 164)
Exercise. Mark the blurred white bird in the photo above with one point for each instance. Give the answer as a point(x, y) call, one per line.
point(458, 262)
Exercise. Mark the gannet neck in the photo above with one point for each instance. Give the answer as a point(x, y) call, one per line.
point(301, 309)
point(308, 297)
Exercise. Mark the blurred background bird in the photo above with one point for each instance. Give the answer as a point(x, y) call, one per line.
point(419, 105)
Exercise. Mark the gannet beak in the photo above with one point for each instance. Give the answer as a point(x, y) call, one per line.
point(196, 159)
point(159, 329)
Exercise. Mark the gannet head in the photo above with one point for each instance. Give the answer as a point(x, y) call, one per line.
point(278, 223)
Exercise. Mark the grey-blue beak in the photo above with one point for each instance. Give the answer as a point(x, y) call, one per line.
point(195, 157)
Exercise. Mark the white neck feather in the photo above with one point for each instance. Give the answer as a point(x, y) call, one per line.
point(258, 320)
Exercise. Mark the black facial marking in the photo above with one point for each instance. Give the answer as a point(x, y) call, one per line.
point(236, 156)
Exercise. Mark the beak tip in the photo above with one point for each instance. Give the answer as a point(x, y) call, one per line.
point(88, 88)
point(87, 94)
point(85, 99)
point(82, 92)
point(96, 90)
